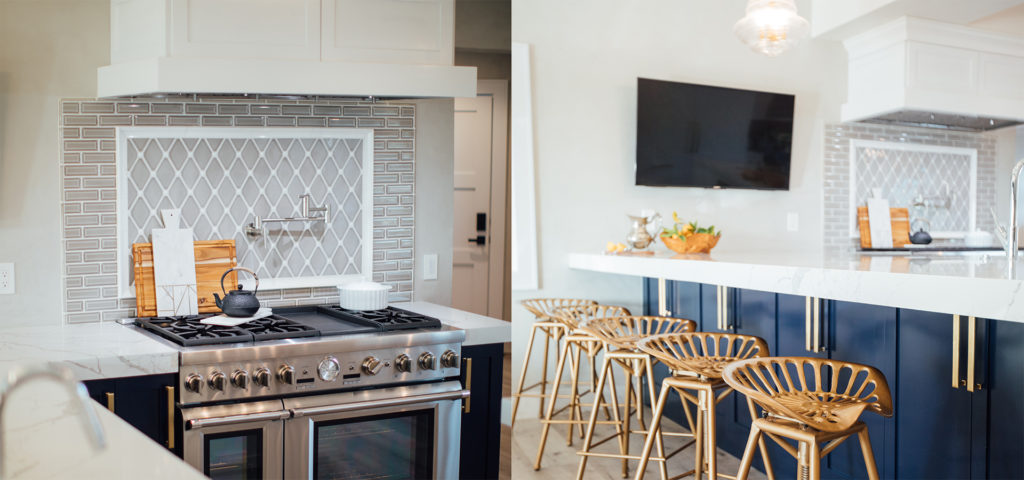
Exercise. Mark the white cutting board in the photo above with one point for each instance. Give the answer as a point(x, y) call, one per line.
point(174, 268)
point(880, 223)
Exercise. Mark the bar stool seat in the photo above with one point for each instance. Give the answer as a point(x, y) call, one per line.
point(552, 330)
point(823, 408)
point(697, 361)
point(577, 343)
point(620, 336)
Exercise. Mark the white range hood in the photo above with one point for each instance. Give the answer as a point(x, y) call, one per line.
point(382, 48)
point(924, 73)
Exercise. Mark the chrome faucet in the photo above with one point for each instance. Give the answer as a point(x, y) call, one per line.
point(20, 376)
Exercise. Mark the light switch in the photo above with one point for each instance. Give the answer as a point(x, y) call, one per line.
point(6, 278)
point(430, 266)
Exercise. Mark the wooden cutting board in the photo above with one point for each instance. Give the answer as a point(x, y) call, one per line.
point(213, 258)
point(900, 227)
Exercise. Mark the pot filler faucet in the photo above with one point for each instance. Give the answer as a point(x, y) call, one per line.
point(21, 376)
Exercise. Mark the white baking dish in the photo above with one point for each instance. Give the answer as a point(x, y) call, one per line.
point(364, 296)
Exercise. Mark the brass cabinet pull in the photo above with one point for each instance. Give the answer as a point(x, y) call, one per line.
point(170, 417)
point(956, 351)
point(723, 307)
point(469, 383)
point(812, 324)
point(807, 323)
point(817, 325)
point(110, 401)
point(718, 307)
point(971, 326)
point(662, 302)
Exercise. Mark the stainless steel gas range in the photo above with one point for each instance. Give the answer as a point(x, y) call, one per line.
point(319, 392)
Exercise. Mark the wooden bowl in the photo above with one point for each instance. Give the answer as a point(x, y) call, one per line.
point(696, 243)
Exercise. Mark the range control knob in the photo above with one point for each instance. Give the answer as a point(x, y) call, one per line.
point(261, 377)
point(372, 366)
point(449, 359)
point(286, 374)
point(403, 363)
point(193, 383)
point(217, 381)
point(329, 369)
point(240, 379)
point(427, 361)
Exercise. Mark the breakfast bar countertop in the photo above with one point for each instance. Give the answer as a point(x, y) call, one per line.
point(965, 283)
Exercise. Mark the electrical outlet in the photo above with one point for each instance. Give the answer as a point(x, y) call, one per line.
point(792, 221)
point(6, 278)
point(430, 266)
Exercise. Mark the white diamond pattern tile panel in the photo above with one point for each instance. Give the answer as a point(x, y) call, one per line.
point(903, 174)
point(221, 184)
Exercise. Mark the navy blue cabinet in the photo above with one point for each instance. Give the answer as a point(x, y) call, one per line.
point(933, 420)
point(865, 334)
point(751, 312)
point(938, 431)
point(143, 402)
point(481, 421)
point(1004, 456)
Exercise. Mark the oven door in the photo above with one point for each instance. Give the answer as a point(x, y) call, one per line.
point(239, 441)
point(409, 432)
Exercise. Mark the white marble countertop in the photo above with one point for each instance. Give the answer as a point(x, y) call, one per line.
point(48, 440)
point(480, 330)
point(975, 284)
point(91, 350)
point(45, 439)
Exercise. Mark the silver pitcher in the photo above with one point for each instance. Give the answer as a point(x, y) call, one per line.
point(640, 237)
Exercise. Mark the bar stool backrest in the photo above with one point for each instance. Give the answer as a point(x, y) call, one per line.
point(580, 315)
point(542, 308)
point(703, 353)
point(827, 395)
point(625, 332)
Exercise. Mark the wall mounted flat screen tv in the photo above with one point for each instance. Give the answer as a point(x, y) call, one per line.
point(691, 135)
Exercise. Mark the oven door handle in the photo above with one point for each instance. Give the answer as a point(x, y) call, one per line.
point(388, 402)
point(234, 419)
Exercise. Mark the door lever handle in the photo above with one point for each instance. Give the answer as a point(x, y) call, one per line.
point(479, 240)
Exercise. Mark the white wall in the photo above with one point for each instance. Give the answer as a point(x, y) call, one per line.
point(435, 183)
point(586, 58)
point(49, 49)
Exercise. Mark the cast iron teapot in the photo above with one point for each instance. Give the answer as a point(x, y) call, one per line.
point(238, 303)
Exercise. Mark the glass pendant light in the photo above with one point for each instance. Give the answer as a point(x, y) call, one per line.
point(771, 26)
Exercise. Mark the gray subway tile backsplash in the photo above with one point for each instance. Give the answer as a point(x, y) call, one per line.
point(837, 172)
point(89, 184)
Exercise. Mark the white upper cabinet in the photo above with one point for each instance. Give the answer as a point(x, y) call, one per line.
point(389, 31)
point(397, 48)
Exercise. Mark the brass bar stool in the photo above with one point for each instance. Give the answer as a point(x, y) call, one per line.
point(696, 361)
point(577, 343)
point(620, 336)
point(826, 409)
point(552, 330)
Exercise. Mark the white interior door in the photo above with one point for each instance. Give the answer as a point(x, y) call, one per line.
point(480, 163)
point(470, 260)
